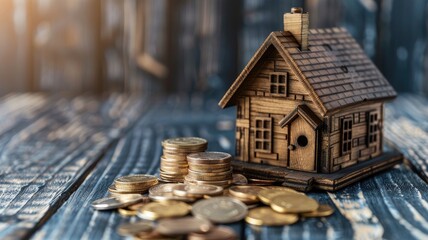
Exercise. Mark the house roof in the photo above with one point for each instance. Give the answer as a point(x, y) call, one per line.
point(335, 70)
point(306, 113)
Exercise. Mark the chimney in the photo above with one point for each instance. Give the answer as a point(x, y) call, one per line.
point(297, 23)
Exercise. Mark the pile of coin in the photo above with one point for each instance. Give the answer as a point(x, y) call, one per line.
point(173, 165)
point(138, 183)
point(286, 207)
point(211, 168)
point(206, 194)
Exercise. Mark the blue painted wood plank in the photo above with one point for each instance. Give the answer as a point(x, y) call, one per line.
point(49, 150)
point(391, 205)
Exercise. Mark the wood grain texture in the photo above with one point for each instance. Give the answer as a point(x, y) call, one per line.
point(47, 146)
point(391, 205)
point(138, 152)
point(406, 129)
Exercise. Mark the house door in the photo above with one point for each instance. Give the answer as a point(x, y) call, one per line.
point(301, 148)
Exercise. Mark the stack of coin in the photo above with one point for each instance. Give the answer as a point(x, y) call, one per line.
point(138, 183)
point(173, 166)
point(211, 168)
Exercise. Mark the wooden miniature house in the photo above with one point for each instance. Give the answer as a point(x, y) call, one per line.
point(310, 109)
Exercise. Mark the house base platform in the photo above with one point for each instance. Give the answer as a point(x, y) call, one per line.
point(305, 181)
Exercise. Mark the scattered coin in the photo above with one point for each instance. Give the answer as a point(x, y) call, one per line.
point(267, 217)
point(110, 203)
point(268, 193)
point(217, 233)
point(295, 203)
point(181, 226)
point(220, 209)
point(166, 209)
point(246, 192)
point(164, 192)
point(197, 191)
point(154, 235)
point(133, 209)
point(261, 182)
point(239, 179)
point(130, 229)
point(247, 201)
point(322, 211)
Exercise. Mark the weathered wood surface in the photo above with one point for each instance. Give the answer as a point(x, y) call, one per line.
point(391, 205)
point(48, 145)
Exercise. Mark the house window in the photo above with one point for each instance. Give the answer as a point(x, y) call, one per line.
point(373, 128)
point(346, 135)
point(278, 84)
point(263, 135)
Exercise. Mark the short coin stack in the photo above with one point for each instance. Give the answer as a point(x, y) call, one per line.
point(173, 166)
point(211, 168)
point(138, 183)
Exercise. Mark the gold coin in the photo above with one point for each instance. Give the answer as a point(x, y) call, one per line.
point(131, 210)
point(130, 229)
point(227, 173)
point(184, 225)
point(294, 203)
point(136, 179)
point(218, 233)
point(117, 192)
point(248, 192)
point(247, 201)
point(265, 216)
point(154, 235)
point(126, 212)
point(184, 142)
point(260, 182)
point(174, 158)
point(197, 191)
point(209, 157)
point(322, 211)
point(222, 183)
point(209, 170)
point(266, 195)
point(205, 166)
point(170, 170)
point(239, 179)
point(203, 177)
point(166, 209)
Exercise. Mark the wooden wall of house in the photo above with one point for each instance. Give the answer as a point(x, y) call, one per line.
point(256, 101)
point(361, 149)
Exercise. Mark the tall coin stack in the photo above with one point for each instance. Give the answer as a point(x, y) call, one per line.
point(209, 168)
point(173, 166)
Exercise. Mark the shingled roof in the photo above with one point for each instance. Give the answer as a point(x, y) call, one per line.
point(335, 69)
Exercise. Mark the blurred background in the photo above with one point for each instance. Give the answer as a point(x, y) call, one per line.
point(186, 46)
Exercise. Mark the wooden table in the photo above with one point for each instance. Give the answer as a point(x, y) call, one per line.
point(58, 154)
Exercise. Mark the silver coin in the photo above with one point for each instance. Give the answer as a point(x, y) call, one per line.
point(194, 190)
point(184, 225)
point(220, 209)
point(164, 192)
point(163, 188)
point(110, 203)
